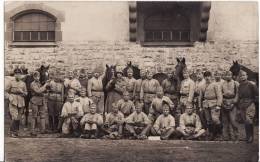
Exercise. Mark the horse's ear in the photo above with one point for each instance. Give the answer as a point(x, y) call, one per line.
point(236, 62)
point(130, 63)
point(178, 60)
point(183, 60)
point(233, 62)
point(107, 66)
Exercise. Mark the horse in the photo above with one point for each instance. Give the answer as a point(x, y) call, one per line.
point(44, 74)
point(252, 76)
point(136, 70)
point(235, 69)
point(181, 65)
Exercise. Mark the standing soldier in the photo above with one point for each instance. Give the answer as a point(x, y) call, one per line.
point(72, 85)
point(16, 92)
point(169, 86)
point(229, 110)
point(37, 103)
point(55, 100)
point(130, 83)
point(138, 84)
point(218, 78)
point(84, 101)
point(247, 94)
point(83, 78)
point(148, 90)
point(95, 89)
point(187, 92)
point(210, 102)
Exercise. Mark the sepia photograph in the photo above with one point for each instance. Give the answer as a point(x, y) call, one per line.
point(131, 81)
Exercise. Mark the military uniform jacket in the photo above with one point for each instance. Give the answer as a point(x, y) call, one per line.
point(164, 122)
point(73, 109)
point(95, 85)
point(137, 118)
point(187, 89)
point(85, 103)
point(210, 95)
point(156, 106)
point(130, 83)
point(192, 120)
point(169, 87)
point(37, 93)
point(112, 117)
point(97, 118)
point(16, 90)
point(56, 91)
point(126, 107)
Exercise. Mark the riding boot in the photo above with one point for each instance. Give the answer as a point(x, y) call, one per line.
point(17, 125)
point(12, 126)
point(250, 133)
point(211, 132)
point(43, 130)
point(247, 131)
point(55, 123)
point(50, 123)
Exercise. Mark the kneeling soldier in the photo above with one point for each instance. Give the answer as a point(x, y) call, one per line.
point(91, 122)
point(138, 123)
point(164, 124)
point(190, 125)
point(71, 114)
point(113, 126)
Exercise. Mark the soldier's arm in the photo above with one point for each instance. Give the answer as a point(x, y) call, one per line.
point(172, 122)
point(191, 91)
point(37, 89)
point(182, 123)
point(219, 95)
point(200, 98)
point(99, 120)
point(198, 124)
point(236, 89)
point(25, 92)
point(64, 112)
point(89, 87)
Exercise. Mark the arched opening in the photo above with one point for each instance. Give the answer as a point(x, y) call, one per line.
point(33, 26)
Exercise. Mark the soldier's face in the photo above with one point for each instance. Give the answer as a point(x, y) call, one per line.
point(115, 109)
point(200, 76)
point(166, 110)
point(208, 78)
point(185, 75)
point(92, 110)
point(70, 75)
point(170, 75)
point(189, 110)
point(228, 76)
point(126, 97)
point(149, 75)
point(70, 99)
point(83, 94)
point(129, 74)
point(160, 94)
point(37, 78)
point(119, 75)
point(139, 107)
point(217, 76)
point(96, 75)
point(143, 74)
point(243, 76)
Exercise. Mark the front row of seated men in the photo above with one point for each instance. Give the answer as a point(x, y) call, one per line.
point(134, 126)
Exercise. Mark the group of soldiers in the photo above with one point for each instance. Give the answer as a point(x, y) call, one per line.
point(207, 108)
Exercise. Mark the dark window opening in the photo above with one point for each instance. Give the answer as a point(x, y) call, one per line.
point(34, 27)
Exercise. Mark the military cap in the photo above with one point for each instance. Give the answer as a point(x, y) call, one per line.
point(17, 71)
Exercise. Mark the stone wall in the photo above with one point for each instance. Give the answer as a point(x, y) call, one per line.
point(87, 55)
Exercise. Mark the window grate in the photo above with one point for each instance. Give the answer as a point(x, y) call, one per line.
point(167, 36)
point(34, 36)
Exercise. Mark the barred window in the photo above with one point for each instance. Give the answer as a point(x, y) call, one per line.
point(34, 27)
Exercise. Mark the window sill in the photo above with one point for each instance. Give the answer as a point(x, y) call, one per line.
point(33, 44)
point(147, 44)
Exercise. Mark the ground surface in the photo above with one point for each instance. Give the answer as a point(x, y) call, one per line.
point(61, 149)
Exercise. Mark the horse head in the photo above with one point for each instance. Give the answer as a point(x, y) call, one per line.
point(44, 74)
point(136, 70)
point(235, 68)
point(179, 68)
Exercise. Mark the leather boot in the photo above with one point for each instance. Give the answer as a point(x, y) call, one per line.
point(43, 130)
point(250, 138)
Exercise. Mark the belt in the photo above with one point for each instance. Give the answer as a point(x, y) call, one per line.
point(38, 95)
point(149, 93)
point(96, 90)
point(190, 125)
point(171, 93)
point(184, 95)
point(16, 93)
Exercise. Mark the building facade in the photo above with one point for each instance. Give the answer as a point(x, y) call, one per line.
point(73, 35)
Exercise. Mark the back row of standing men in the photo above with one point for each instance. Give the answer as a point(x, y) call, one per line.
point(216, 101)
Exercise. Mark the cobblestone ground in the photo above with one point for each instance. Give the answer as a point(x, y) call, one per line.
point(60, 149)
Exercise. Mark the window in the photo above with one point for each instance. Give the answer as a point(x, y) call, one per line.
point(164, 27)
point(34, 27)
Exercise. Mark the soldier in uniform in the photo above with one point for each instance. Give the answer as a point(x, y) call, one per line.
point(186, 92)
point(125, 105)
point(138, 84)
point(164, 125)
point(71, 114)
point(131, 81)
point(148, 90)
point(190, 125)
point(138, 123)
point(84, 101)
point(170, 89)
point(210, 102)
point(37, 103)
point(83, 78)
point(16, 92)
point(218, 78)
point(247, 94)
point(55, 100)
point(72, 84)
point(113, 126)
point(117, 86)
point(229, 110)
point(156, 108)
point(91, 122)
point(95, 89)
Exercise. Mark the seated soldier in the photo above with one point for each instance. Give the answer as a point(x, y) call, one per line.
point(90, 123)
point(84, 101)
point(190, 125)
point(71, 114)
point(156, 106)
point(113, 126)
point(125, 105)
point(138, 123)
point(164, 125)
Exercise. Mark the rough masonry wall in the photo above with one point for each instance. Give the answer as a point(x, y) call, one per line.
point(87, 55)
